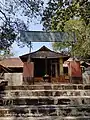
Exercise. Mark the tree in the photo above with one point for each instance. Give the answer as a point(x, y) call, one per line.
point(58, 12)
point(5, 54)
point(79, 46)
point(7, 36)
point(49, 12)
point(69, 16)
point(15, 15)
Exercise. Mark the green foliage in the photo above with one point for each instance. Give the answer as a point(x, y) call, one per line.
point(72, 16)
point(7, 37)
point(80, 42)
point(58, 12)
point(15, 15)
point(49, 12)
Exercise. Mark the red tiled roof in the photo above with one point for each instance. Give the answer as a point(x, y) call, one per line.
point(12, 62)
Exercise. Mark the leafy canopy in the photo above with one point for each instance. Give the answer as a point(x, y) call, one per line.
point(69, 16)
point(60, 11)
point(80, 44)
point(15, 15)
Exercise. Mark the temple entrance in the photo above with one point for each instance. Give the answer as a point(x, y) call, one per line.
point(43, 66)
point(55, 69)
point(39, 67)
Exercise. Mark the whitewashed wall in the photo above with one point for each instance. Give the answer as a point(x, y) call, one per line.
point(86, 78)
point(14, 79)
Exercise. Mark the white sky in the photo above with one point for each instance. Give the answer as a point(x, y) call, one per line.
point(35, 45)
point(16, 50)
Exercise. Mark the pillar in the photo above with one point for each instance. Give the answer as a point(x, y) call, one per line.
point(56, 70)
point(61, 66)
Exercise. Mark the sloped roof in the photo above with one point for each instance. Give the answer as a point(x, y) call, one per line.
point(42, 53)
point(12, 62)
point(2, 67)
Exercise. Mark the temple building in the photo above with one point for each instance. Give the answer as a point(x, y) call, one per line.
point(44, 63)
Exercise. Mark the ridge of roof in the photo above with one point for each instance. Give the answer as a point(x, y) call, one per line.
point(43, 48)
point(42, 53)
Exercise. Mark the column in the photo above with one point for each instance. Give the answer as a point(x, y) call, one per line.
point(61, 66)
point(56, 70)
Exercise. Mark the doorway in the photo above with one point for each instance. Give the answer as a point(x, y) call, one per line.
point(54, 69)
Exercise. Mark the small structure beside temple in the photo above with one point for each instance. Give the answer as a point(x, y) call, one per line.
point(13, 65)
point(11, 69)
point(44, 64)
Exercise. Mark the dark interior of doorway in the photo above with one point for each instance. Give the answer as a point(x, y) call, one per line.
point(40, 67)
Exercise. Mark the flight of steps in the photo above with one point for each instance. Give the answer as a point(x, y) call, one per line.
point(45, 102)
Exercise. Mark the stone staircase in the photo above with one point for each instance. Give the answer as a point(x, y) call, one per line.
point(45, 102)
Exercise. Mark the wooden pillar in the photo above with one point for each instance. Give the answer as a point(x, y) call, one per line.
point(51, 68)
point(56, 72)
point(61, 66)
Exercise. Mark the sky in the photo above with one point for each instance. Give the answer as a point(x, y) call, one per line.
point(35, 26)
point(35, 45)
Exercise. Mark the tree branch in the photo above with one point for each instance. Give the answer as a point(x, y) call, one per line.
point(2, 19)
point(4, 15)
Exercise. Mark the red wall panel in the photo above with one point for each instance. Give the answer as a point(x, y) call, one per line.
point(28, 69)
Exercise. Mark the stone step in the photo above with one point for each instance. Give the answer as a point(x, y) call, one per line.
point(47, 118)
point(46, 111)
point(45, 102)
point(50, 87)
point(37, 93)
point(46, 97)
point(44, 114)
point(63, 100)
point(45, 106)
